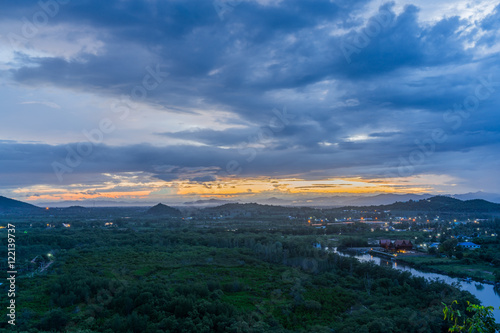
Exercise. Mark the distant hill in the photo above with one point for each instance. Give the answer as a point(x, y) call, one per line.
point(7, 205)
point(370, 200)
point(491, 197)
point(96, 203)
point(247, 208)
point(386, 199)
point(76, 209)
point(442, 204)
point(341, 201)
point(275, 201)
point(432, 204)
point(254, 210)
point(161, 209)
point(331, 201)
point(208, 202)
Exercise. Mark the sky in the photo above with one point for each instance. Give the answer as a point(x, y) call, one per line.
point(173, 101)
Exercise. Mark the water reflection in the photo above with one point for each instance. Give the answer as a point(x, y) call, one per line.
point(486, 293)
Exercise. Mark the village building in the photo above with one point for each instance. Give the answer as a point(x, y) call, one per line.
point(469, 245)
point(399, 245)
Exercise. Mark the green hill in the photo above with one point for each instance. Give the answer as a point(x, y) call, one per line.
point(442, 204)
point(7, 205)
point(161, 209)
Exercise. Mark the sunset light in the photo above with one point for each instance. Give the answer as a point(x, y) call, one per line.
point(250, 166)
point(234, 116)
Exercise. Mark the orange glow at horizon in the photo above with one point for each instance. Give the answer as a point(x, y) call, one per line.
point(79, 196)
point(236, 187)
point(153, 189)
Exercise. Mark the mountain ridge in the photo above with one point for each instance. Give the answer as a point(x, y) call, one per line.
point(441, 204)
point(8, 204)
point(320, 202)
point(435, 203)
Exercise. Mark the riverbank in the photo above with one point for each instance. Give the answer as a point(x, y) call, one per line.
point(429, 263)
point(487, 294)
point(451, 267)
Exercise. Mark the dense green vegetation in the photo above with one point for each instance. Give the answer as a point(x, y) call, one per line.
point(346, 242)
point(167, 279)
point(478, 319)
point(238, 268)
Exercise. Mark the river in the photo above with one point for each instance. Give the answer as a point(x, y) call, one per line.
point(484, 292)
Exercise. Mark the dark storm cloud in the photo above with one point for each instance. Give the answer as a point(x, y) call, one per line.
point(193, 42)
point(292, 135)
point(258, 49)
point(405, 43)
point(385, 134)
point(492, 21)
point(203, 179)
point(229, 137)
point(399, 84)
point(491, 25)
point(33, 163)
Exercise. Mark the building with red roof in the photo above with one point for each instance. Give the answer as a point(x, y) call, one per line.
point(399, 245)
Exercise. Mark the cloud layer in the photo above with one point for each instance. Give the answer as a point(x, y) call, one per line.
point(185, 91)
